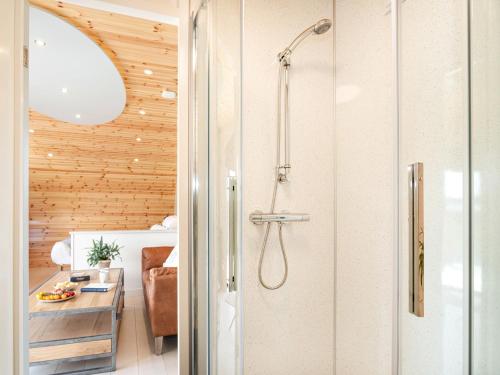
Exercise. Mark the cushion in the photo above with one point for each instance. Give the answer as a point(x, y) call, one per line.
point(170, 223)
point(61, 252)
point(173, 258)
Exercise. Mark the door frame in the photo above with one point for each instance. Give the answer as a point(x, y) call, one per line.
point(13, 189)
point(14, 205)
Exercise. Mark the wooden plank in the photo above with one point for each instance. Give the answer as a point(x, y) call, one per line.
point(39, 275)
point(68, 327)
point(127, 344)
point(148, 362)
point(73, 350)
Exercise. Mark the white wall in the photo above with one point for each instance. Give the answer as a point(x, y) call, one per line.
point(131, 242)
point(290, 330)
point(365, 194)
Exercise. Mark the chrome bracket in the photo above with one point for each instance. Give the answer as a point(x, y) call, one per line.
point(283, 173)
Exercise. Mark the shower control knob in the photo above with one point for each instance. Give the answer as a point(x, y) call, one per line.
point(256, 214)
point(260, 218)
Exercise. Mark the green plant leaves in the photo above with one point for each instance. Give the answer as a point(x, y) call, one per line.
point(102, 251)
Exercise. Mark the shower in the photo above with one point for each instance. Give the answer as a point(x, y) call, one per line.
point(283, 165)
point(320, 27)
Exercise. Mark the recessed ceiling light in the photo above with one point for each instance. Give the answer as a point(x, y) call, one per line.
point(148, 72)
point(50, 154)
point(64, 90)
point(32, 130)
point(165, 94)
point(78, 115)
point(136, 160)
point(142, 112)
point(40, 42)
point(138, 139)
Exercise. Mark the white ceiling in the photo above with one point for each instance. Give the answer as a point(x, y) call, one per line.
point(70, 60)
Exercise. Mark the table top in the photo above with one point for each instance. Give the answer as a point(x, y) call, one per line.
point(83, 302)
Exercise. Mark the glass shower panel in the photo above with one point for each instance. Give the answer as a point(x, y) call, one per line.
point(485, 179)
point(433, 127)
point(216, 202)
point(224, 170)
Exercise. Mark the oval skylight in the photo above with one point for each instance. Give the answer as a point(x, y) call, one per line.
point(70, 77)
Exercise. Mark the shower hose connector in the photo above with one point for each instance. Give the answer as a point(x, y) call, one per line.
point(283, 173)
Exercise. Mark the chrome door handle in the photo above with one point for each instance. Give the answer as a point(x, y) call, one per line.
point(416, 237)
point(231, 184)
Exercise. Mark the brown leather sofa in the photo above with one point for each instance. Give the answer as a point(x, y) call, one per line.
point(160, 293)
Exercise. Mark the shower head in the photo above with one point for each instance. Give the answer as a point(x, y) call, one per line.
point(320, 27)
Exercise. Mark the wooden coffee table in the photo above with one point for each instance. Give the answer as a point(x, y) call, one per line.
point(81, 329)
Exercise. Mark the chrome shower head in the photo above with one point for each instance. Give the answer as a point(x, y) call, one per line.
point(322, 26)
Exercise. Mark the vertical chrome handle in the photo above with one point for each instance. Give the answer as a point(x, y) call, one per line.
point(231, 183)
point(416, 237)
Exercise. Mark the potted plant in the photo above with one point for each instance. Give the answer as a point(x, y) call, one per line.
point(101, 254)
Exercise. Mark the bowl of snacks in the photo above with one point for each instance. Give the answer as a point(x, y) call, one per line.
point(56, 296)
point(65, 286)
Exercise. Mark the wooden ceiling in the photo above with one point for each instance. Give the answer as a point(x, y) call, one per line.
point(119, 175)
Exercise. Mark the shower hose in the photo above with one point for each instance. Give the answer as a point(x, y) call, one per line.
point(264, 244)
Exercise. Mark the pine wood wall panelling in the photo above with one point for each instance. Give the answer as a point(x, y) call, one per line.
point(92, 181)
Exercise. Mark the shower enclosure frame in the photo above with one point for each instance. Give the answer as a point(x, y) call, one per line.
point(399, 306)
point(193, 203)
point(203, 311)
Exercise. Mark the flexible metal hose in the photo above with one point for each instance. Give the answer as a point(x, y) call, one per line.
point(282, 246)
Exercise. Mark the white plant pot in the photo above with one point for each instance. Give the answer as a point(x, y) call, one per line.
point(103, 264)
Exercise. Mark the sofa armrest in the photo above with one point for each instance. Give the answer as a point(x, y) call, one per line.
point(161, 300)
point(159, 273)
point(163, 284)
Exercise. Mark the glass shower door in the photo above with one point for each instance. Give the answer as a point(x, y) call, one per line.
point(433, 217)
point(485, 178)
point(224, 187)
point(216, 187)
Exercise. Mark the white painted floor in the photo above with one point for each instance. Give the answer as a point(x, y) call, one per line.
point(135, 347)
